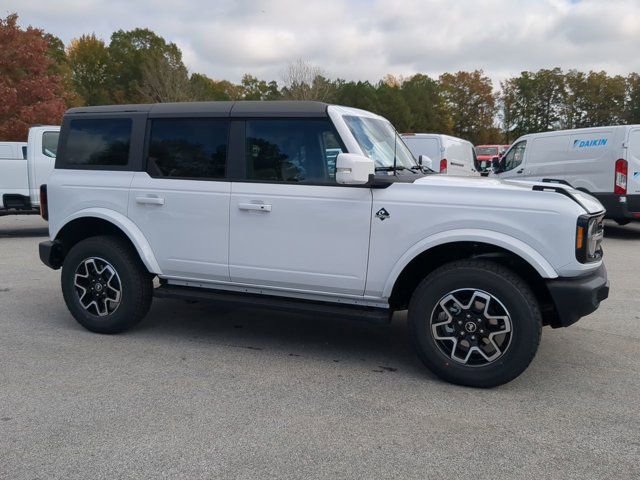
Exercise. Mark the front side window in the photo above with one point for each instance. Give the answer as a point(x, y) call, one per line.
point(380, 142)
point(514, 157)
point(49, 144)
point(188, 148)
point(98, 142)
point(301, 150)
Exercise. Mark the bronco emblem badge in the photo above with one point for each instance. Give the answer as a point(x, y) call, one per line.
point(382, 214)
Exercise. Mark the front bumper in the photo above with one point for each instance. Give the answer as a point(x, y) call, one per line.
point(51, 253)
point(617, 209)
point(577, 297)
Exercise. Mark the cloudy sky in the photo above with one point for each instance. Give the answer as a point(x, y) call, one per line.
point(364, 39)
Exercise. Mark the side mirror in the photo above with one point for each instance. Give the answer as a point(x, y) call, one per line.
point(353, 169)
point(425, 161)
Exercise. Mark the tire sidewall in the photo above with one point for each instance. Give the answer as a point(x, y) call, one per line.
point(97, 247)
point(524, 320)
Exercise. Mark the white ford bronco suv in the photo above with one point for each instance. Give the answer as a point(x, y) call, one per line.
point(320, 208)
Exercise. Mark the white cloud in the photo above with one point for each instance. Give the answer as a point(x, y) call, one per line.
point(362, 39)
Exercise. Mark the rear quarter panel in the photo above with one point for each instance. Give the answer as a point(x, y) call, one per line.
point(71, 191)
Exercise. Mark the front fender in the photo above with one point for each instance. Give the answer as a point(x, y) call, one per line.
point(515, 246)
point(129, 228)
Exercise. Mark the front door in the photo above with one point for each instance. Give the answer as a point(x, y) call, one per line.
point(512, 163)
point(291, 225)
point(181, 203)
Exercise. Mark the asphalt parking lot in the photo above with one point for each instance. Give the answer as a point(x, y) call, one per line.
point(197, 393)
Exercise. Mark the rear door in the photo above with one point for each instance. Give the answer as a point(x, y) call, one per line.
point(633, 162)
point(181, 201)
point(291, 225)
point(460, 158)
point(512, 163)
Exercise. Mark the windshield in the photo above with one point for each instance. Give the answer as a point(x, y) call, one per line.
point(487, 151)
point(380, 142)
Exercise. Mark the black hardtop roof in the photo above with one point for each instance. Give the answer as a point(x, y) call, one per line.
point(279, 108)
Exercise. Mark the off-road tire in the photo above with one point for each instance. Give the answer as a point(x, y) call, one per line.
point(507, 287)
point(136, 284)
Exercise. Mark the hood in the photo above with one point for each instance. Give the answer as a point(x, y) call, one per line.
point(586, 201)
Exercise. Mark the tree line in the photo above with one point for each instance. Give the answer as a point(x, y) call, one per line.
point(40, 77)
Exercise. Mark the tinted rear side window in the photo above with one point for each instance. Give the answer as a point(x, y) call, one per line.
point(98, 141)
point(188, 148)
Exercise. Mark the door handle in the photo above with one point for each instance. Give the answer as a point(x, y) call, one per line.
point(150, 200)
point(256, 207)
point(520, 171)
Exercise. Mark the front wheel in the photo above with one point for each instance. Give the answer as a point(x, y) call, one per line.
point(105, 285)
point(475, 323)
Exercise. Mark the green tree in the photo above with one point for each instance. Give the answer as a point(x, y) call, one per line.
point(393, 106)
point(632, 108)
point(88, 59)
point(428, 110)
point(132, 51)
point(470, 99)
point(204, 88)
point(254, 89)
point(163, 81)
point(533, 102)
point(357, 94)
point(594, 99)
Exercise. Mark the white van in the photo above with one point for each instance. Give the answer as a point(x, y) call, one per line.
point(450, 155)
point(603, 161)
point(24, 167)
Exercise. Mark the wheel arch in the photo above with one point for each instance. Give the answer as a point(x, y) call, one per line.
point(417, 264)
point(94, 222)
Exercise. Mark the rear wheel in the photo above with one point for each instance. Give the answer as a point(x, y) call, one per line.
point(105, 285)
point(475, 323)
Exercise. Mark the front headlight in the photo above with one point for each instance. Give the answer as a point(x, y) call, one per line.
point(589, 235)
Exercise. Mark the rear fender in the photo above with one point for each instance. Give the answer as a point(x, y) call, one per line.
point(129, 228)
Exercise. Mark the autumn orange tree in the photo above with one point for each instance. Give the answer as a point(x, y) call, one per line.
point(31, 91)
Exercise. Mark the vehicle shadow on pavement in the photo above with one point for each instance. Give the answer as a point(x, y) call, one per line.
point(630, 231)
point(355, 346)
point(377, 348)
point(23, 232)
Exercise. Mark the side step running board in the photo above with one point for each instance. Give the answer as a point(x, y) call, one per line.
point(352, 312)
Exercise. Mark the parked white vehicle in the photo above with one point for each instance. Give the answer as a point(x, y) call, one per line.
point(602, 161)
point(13, 150)
point(249, 203)
point(443, 153)
point(30, 167)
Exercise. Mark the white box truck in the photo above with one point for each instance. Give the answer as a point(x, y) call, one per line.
point(447, 154)
point(24, 167)
point(602, 161)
